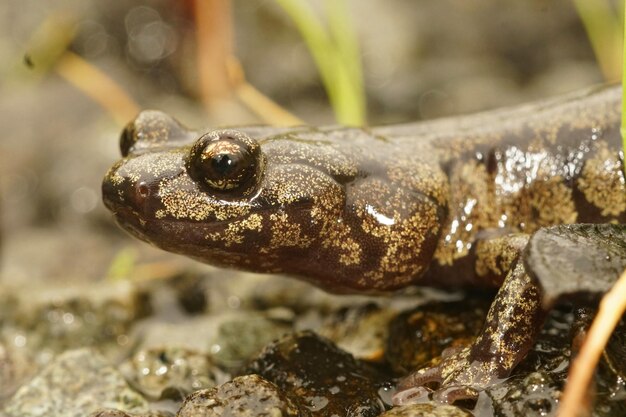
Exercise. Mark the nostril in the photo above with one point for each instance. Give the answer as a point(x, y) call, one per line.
point(143, 189)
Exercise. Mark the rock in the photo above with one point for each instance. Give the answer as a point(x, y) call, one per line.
point(110, 412)
point(361, 330)
point(426, 410)
point(577, 261)
point(76, 383)
point(16, 366)
point(193, 333)
point(328, 380)
point(191, 291)
point(535, 394)
point(244, 335)
point(421, 334)
point(248, 396)
point(54, 319)
point(171, 372)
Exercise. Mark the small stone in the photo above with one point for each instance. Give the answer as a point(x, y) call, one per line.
point(421, 334)
point(171, 372)
point(361, 330)
point(248, 396)
point(426, 410)
point(55, 319)
point(240, 338)
point(76, 383)
point(535, 394)
point(110, 412)
point(328, 380)
point(191, 292)
point(16, 366)
point(577, 261)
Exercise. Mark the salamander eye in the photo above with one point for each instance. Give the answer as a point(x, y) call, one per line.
point(225, 160)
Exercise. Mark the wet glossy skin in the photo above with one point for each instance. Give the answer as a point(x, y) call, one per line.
point(440, 203)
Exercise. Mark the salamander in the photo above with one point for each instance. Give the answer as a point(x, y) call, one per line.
point(447, 203)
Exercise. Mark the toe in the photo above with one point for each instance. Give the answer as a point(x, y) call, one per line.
point(450, 395)
point(421, 378)
point(411, 396)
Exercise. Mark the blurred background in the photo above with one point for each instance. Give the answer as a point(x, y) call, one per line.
point(73, 72)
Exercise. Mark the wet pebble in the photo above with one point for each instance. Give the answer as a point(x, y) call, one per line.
point(535, 394)
point(244, 335)
point(191, 292)
point(426, 410)
point(52, 320)
point(328, 380)
point(76, 383)
point(248, 396)
point(110, 412)
point(361, 330)
point(577, 261)
point(171, 372)
point(6, 373)
point(421, 334)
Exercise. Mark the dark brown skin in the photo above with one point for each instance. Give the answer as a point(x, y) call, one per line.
point(448, 203)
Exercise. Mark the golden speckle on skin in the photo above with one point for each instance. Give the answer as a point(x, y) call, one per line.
point(402, 256)
point(233, 234)
point(286, 233)
point(182, 200)
point(402, 225)
point(116, 179)
point(553, 201)
point(432, 181)
point(496, 256)
point(337, 236)
point(602, 182)
point(154, 165)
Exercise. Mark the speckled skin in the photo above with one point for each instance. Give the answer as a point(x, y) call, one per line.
point(447, 203)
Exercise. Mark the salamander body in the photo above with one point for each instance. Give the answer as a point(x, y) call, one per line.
point(445, 203)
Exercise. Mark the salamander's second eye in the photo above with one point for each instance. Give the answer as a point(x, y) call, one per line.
point(225, 160)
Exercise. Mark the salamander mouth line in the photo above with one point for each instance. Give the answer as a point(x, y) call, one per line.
point(127, 215)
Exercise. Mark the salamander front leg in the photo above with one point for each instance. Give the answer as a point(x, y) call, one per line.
point(513, 322)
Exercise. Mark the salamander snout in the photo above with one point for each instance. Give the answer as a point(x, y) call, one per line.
point(124, 194)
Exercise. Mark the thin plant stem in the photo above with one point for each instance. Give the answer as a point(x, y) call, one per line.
point(98, 86)
point(611, 309)
point(214, 37)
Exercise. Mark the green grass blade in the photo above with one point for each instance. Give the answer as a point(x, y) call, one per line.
point(349, 56)
point(336, 56)
point(317, 40)
point(603, 29)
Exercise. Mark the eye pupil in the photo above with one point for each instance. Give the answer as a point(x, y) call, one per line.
point(222, 163)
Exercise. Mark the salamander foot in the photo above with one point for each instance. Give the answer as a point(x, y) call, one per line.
point(457, 377)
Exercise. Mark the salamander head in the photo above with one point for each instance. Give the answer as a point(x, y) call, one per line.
point(256, 200)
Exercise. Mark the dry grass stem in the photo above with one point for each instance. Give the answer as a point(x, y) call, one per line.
point(611, 309)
